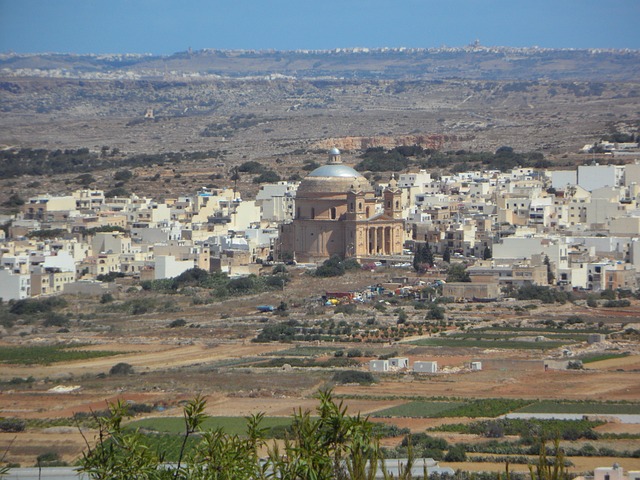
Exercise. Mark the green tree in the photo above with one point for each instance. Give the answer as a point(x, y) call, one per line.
point(486, 253)
point(268, 176)
point(417, 257)
point(427, 255)
point(251, 167)
point(550, 275)
point(458, 273)
point(549, 468)
point(14, 201)
point(446, 255)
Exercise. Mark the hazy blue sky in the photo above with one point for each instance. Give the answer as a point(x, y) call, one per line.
point(168, 26)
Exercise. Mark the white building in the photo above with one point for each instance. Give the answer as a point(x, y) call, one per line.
point(591, 177)
point(425, 367)
point(277, 201)
point(379, 365)
point(399, 362)
point(616, 472)
point(560, 179)
point(14, 286)
point(420, 179)
point(166, 266)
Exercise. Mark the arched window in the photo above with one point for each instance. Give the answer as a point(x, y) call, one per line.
point(367, 212)
point(360, 206)
point(313, 213)
point(333, 213)
point(298, 212)
point(389, 204)
point(397, 204)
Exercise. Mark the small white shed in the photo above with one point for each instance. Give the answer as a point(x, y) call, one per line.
point(399, 362)
point(425, 367)
point(616, 472)
point(476, 366)
point(379, 365)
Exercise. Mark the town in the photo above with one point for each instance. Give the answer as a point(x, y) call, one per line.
point(575, 230)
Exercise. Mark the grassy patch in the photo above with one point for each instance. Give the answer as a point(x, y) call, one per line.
point(603, 356)
point(486, 407)
point(46, 354)
point(308, 362)
point(490, 407)
point(582, 407)
point(307, 351)
point(539, 330)
point(531, 428)
point(576, 337)
point(418, 409)
point(231, 425)
point(468, 343)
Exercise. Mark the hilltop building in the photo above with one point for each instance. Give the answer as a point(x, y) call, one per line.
point(337, 213)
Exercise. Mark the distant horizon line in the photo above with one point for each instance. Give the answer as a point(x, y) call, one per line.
point(336, 50)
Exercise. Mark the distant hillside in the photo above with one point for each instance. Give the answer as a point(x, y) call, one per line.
point(474, 63)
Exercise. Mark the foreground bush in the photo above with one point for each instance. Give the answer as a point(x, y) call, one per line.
point(328, 445)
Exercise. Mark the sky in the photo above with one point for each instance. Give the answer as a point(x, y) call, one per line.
point(167, 26)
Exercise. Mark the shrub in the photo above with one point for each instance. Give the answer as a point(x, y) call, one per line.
point(617, 303)
point(106, 298)
point(35, 306)
point(251, 167)
point(608, 294)
point(333, 267)
point(110, 277)
point(435, 312)
point(346, 308)
point(50, 459)
point(425, 441)
point(121, 368)
point(12, 425)
point(544, 294)
point(353, 376)
point(456, 453)
point(268, 176)
point(180, 322)
point(55, 320)
point(123, 175)
point(140, 408)
point(279, 269)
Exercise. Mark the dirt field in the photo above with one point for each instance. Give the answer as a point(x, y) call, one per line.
point(214, 356)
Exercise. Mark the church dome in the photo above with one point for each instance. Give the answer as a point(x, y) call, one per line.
point(332, 179)
point(336, 170)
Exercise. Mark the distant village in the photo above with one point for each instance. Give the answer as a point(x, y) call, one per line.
point(574, 229)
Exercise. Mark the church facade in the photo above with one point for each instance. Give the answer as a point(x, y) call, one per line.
point(337, 213)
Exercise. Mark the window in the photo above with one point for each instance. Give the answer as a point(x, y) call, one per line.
point(313, 213)
point(333, 213)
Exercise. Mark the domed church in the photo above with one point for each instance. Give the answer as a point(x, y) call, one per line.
point(336, 213)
